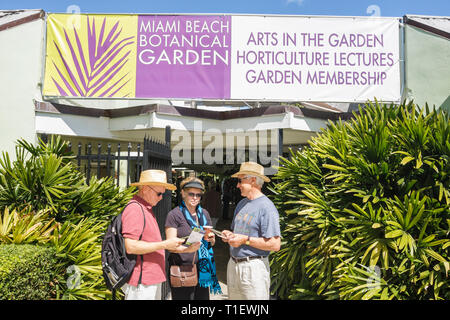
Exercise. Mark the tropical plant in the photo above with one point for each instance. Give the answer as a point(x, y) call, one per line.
point(39, 177)
point(365, 209)
point(76, 246)
point(44, 177)
point(79, 248)
point(47, 202)
point(100, 199)
point(26, 226)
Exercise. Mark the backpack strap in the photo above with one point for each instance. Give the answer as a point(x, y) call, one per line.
point(140, 237)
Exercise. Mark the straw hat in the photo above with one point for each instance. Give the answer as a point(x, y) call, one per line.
point(251, 168)
point(154, 178)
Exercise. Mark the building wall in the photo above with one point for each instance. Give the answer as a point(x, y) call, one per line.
point(20, 76)
point(427, 58)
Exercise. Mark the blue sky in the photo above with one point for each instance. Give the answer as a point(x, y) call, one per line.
point(387, 8)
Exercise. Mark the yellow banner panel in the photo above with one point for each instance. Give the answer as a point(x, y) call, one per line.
point(91, 55)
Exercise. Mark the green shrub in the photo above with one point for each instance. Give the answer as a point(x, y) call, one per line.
point(43, 177)
point(365, 209)
point(25, 226)
point(27, 272)
point(44, 199)
point(77, 246)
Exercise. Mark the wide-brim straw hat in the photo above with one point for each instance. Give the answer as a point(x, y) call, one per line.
point(251, 168)
point(154, 178)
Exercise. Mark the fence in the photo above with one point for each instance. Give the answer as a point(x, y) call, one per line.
point(107, 163)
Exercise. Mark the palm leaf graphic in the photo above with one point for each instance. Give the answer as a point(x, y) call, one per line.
point(91, 71)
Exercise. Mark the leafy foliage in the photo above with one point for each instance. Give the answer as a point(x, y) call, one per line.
point(365, 209)
point(44, 177)
point(79, 246)
point(38, 177)
point(47, 202)
point(25, 227)
point(27, 272)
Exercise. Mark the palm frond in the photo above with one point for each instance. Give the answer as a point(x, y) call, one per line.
point(93, 67)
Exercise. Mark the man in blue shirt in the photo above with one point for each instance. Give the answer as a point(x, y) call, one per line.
point(256, 232)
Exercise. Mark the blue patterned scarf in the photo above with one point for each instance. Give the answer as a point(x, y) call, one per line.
point(206, 264)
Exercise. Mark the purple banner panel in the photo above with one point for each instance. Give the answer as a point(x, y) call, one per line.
point(183, 57)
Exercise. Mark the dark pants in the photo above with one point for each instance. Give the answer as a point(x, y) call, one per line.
point(190, 293)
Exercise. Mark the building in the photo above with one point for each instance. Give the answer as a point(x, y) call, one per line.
point(203, 131)
point(21, 38)
point(427, 60)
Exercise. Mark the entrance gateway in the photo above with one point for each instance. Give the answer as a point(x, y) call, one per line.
point(229, 86)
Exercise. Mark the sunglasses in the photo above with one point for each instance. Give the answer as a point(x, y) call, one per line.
point(159, 194)
point(193, 195)
point(240, 179)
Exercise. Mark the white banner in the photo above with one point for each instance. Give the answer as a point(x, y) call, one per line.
point(334, 59)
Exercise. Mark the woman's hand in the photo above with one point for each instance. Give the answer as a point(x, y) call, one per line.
point(192, 248)
point(211, 238)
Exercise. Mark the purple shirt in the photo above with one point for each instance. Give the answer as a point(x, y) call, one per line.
point(176, 219)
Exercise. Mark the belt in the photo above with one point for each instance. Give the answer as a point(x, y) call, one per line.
point(237, 260)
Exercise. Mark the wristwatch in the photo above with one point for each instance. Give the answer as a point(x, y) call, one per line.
point(248, 241)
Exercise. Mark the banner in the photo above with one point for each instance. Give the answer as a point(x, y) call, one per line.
point(330, 59)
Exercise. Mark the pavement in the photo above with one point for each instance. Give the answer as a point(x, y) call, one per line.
point(221, 256)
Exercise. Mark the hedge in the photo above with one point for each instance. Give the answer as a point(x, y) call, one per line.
point(27, 272)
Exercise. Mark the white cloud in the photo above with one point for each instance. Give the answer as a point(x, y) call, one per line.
point(298, 2)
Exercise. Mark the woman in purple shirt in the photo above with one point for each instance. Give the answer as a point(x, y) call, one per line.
point(179, 223)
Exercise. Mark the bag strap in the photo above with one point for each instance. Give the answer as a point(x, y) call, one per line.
point(140, 237)
point(194, 258)
point(196, 219)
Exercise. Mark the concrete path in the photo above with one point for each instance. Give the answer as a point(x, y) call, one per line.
point(221, 256)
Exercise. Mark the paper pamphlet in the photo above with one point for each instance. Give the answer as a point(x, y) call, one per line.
point(218, 233)
point(195, 236)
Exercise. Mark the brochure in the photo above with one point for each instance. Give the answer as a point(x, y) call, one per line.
point(218, 233)
point(195, 236)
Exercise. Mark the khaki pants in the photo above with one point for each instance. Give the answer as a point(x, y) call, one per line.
point(142, 292)
point(248, 280)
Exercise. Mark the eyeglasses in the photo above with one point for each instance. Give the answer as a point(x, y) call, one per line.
point(240, 179)
point(193, 195)
point(159, 194)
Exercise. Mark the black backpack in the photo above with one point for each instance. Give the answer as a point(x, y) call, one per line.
point(117, 265)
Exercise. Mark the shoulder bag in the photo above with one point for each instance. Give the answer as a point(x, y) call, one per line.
point(184, 275)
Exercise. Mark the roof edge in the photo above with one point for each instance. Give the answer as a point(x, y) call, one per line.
point(51, 107)
point(407, 20)
point(38, 15)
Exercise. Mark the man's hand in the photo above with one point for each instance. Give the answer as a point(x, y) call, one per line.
point(237, 240)
point(173, 243)
point(228, 234)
